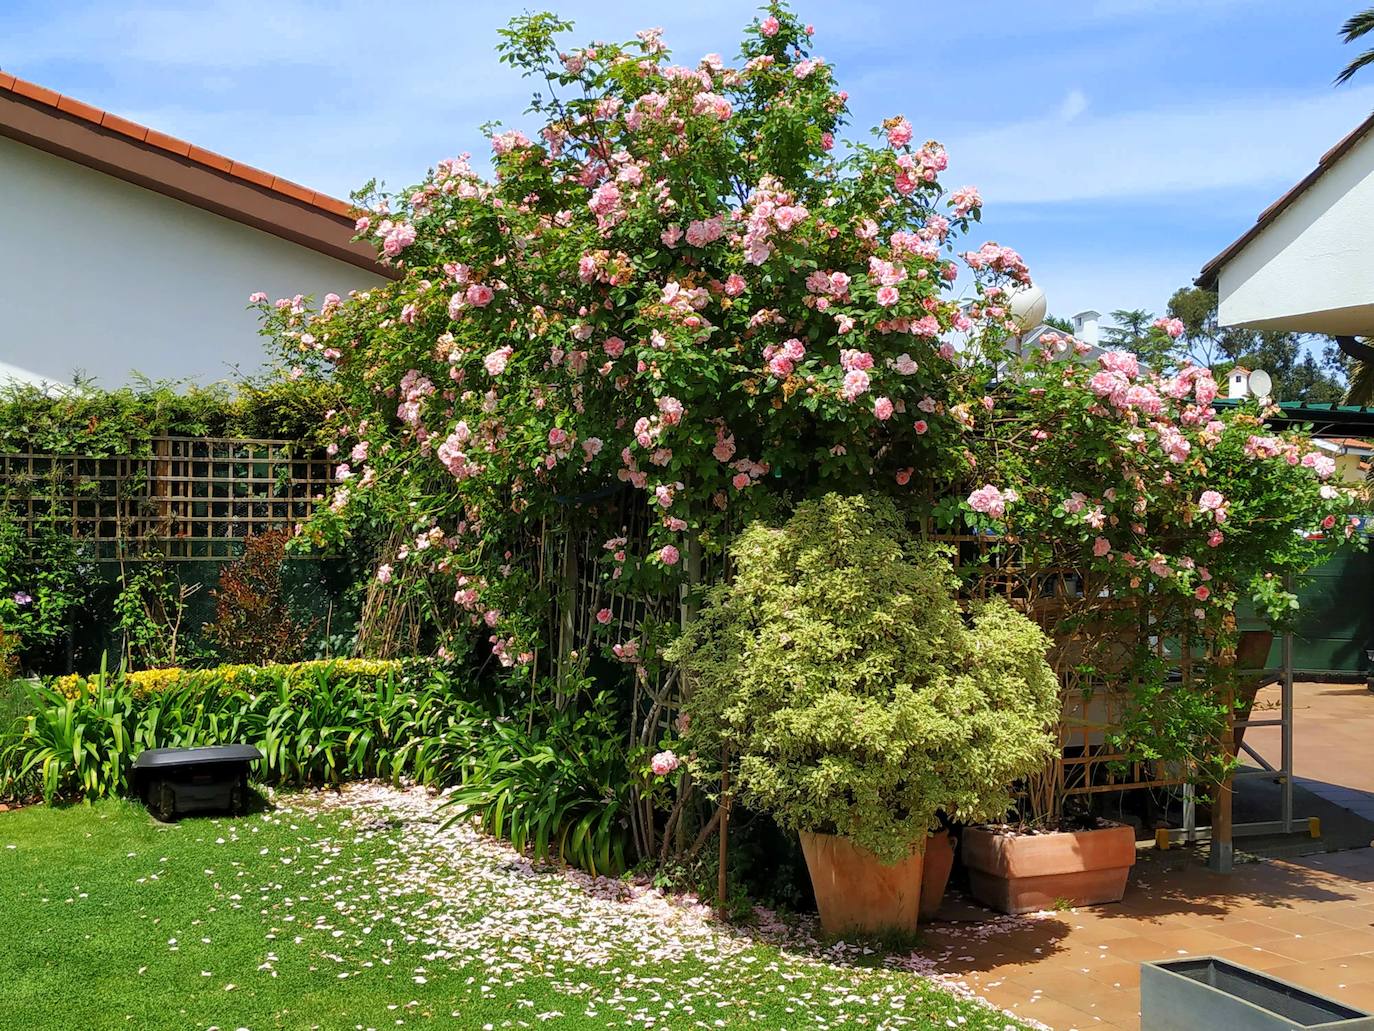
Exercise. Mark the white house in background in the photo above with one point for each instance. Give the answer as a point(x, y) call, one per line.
point(1305, 265)
point(125, 250)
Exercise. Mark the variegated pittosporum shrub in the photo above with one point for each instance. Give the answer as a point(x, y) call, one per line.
point(853, 694)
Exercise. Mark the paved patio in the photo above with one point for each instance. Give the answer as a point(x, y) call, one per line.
point(1308, 920)
point(1333, 755)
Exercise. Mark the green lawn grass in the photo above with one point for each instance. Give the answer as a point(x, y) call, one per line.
point(354, 913)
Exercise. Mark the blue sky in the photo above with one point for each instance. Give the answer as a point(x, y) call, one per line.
point(1118, 144)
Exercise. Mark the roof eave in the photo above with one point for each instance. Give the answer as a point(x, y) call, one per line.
point(1210, 274)
point(191, 175)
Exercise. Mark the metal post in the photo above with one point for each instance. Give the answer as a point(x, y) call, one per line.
point(1189, 813)
point(1286, 759)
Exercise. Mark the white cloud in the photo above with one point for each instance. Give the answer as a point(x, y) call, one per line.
point(1244, 141)
point(1073, 105)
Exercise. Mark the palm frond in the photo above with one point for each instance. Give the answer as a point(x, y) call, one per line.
point(1361, 388)
point(1356, 27)
point(1357, 65)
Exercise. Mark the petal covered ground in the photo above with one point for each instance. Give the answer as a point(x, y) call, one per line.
point(359, 910)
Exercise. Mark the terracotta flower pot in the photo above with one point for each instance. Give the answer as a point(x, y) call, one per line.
point(858, 893)
point(1024, 873)
point(939, 861)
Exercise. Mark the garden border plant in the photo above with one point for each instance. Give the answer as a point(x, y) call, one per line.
point(856, 702)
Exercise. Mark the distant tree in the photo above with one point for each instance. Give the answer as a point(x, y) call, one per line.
point(1131, 327)
point(1060, 323)
point(1132, 333)
point(1297, 374)
point(1357, 27)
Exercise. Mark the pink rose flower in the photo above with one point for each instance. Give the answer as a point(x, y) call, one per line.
point(882, 408)
point(496, 361)
point(899, 133)
point(669, 555)
point(664, 763)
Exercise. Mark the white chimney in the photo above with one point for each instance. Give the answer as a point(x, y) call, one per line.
point(1085, 326)
point(1239, 383)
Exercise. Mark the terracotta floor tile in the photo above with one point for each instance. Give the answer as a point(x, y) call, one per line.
point(1255, 957)
point(1250, 932)
point(1305, 924)
point(1322, 979)
point(1353, 916)
point(1359, 995)
point(1192, 942)
point(1053, 1012)
point(1318, 948)
point(1135, 950)
point(1310, 920)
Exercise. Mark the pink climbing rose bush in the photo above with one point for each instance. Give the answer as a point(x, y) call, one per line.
point(678, 284)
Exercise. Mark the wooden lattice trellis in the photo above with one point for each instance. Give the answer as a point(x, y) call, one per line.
point(191, 498)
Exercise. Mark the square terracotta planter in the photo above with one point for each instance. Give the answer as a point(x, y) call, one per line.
point(1025, 873)
point(856, 892)
point(939, 861)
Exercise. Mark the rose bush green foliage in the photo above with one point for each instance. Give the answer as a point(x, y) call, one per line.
point(679, 283)
point(1169, 513)
point(839, 670)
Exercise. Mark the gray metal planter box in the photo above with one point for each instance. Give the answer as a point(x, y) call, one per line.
point(1209, 994)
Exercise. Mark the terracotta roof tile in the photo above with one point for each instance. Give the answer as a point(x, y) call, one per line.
point(172, 145)
point(123, 125)
point(76, 107)
point(168, 143)
point(295, 190)
point(1208, 277)
point(333, 204)
point(253, 175)
point(35, 92)
point(210, 159)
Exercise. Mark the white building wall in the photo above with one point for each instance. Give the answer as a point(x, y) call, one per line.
point(1312, 268)
point(100, 275)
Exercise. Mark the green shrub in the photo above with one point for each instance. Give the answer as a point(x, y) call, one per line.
point(852, 693)
point(556, 782)
point(553, 781)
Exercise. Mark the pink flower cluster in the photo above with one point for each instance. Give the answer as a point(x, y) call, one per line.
point(664, 763)
point(991, 501)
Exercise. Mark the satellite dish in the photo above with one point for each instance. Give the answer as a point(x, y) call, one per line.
point(1260, 384)
point(1027, 306)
